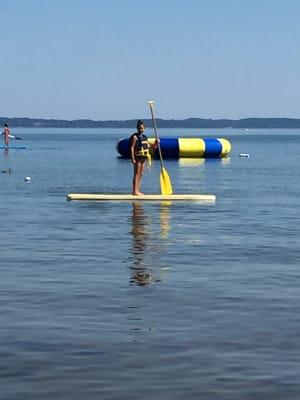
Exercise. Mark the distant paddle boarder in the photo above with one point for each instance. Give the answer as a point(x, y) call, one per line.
point(7, 135)
point(139, 152)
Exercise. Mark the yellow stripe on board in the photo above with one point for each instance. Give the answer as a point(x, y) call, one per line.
point(226, 147)
point(189, 147)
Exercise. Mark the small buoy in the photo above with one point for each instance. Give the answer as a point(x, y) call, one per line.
point(244, 155)
point(27, 179)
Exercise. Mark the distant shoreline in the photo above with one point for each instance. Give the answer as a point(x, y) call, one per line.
point(189, 123)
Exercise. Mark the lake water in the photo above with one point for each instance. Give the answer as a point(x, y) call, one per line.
point(149, 300)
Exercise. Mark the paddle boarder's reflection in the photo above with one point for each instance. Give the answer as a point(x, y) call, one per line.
point(165, 219)
point(141, 275)
point(145, 246)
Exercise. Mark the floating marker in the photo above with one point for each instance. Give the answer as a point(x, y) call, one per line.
point(27, 179)
point(244, 155)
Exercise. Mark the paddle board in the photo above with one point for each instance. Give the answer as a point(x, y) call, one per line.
point(12, 147)
point(203, 198)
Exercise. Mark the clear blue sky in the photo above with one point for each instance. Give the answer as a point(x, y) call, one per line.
point(103, 59)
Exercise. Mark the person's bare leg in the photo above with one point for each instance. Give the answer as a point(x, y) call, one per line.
point(135, 179)
point(140, 175)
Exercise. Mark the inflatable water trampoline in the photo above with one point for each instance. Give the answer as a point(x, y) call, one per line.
point(183, 147)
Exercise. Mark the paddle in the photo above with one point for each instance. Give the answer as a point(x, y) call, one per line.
point(165, 181)
point(12, 136)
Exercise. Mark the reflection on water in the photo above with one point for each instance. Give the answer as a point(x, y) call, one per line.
point(146, 246)
point(196, 162)
point(165, 219)
point(190, 162)
point(140, 233)
point(225, 161)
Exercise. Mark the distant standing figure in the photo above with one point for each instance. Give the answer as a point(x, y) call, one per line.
point(6, 134)
point(140, 152)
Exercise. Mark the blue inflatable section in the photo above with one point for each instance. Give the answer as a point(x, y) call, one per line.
point(213, 148)
point(123, 147)
point(169, 147)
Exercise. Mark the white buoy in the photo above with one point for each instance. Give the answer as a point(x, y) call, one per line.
point(244, 155)
point(27, 179)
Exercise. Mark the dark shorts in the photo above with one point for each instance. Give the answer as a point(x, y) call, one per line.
point(140, 158)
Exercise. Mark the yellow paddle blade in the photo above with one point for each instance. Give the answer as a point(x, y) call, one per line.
point(165, 183)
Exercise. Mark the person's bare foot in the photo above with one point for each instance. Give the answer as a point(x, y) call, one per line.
point(137, 194)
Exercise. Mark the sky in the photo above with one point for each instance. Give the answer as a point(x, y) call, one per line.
point(104, 59)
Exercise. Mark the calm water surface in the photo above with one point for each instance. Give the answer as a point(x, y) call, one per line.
point(150, 301)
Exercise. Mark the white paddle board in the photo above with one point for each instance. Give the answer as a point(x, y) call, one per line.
point(204, 198)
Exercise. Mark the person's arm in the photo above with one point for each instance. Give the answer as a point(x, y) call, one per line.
point(132, 147)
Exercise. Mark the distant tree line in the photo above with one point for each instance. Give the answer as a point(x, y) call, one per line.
point(245, 123)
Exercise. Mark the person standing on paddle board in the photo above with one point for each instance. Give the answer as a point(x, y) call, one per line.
point(139, 152)
point(7, 135)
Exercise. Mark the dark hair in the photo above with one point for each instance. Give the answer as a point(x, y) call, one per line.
point(139, 124)
point(5, 125)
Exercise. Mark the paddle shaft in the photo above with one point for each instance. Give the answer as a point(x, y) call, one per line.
point(12, 136)
point(165, 181)
point(156, 135)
